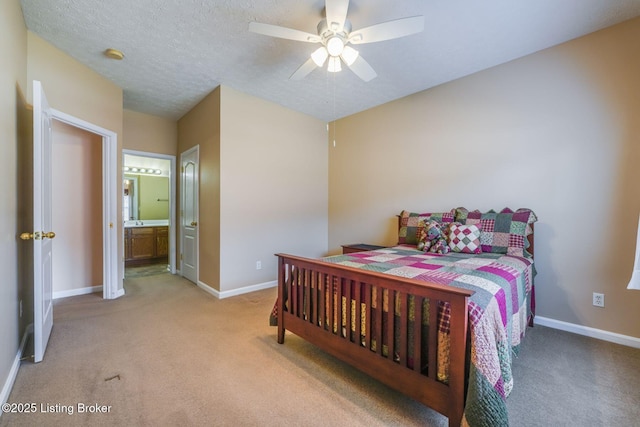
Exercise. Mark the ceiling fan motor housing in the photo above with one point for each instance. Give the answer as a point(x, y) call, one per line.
point(327, 33)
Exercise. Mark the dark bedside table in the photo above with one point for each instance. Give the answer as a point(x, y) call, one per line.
point(359, 247)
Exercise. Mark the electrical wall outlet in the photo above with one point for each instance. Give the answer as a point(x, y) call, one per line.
point(258, 265)
point(598, 299)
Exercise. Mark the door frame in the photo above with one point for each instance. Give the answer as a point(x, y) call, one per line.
point(172, 200)
point(112, 285)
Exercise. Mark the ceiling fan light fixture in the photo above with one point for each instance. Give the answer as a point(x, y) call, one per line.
point(349, 55)
point(319, 56)
point(335, 46)
point(335, 35)
point(334, 64)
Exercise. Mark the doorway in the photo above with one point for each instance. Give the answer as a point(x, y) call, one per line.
point(148, 212)
point(76, 210)
point(111, 280)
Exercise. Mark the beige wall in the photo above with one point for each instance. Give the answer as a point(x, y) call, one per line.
point(556, 131)
point(201, 127)
point(152, 134)
point(75, 89)
point(263, 186)
point(13, 79)
point(274, 192)
point(77, 208)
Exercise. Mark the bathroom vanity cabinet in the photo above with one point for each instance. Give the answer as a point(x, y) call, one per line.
point(146, 245)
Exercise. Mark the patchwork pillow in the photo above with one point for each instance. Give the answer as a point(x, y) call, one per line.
point(464, 238)
point(433, 238)
point(410, 224)
point(503, 232)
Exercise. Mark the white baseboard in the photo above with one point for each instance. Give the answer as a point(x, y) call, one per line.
point(208, 289)
point(248, 289)
point(235, 292)
point(13, 372)
point(78, 291)
point(589, 332)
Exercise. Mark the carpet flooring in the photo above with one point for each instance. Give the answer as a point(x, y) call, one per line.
point(169, 354)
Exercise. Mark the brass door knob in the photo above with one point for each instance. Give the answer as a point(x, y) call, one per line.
point(37, 235)
point(194, 223)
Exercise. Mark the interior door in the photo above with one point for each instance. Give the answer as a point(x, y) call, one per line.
point(42, 213)
point(189, 214)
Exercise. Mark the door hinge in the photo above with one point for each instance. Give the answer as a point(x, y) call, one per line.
point(180, 257)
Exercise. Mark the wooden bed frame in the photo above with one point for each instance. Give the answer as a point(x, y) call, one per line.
point(303, 283)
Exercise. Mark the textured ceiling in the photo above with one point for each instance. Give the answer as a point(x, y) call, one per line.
point(177, 51)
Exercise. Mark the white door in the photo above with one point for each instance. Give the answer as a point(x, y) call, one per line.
point(42, 228)
point(189, 214)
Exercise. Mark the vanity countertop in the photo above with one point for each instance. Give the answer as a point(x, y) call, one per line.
point(146, 223)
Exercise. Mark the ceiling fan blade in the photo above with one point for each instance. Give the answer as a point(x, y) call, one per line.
point(336, 12)
point(388, 30)
point(362, 69)
point(283, 32)
point(304, 70)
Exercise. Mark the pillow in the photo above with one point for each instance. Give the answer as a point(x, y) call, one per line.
point(410, 224)
point(432, 237)
point(464, 238)
point(422, 235)
point(503, 232)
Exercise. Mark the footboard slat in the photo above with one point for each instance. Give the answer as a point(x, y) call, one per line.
point(322, 289)
point(384, 325)
point(368, 324)
point(391, 296)
point(433, 340)
point(378, 313)
point(313, 318)
point(330, 296)
point(293, 291)
point(404, 325)
point(338, 306)
point(357, 290)
point(347, 309)
point(417, 334)
point(307, 291)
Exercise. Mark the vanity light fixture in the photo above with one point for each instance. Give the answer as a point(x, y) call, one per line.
point(137, 170)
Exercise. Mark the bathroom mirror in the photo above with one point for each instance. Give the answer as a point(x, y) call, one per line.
point(145, 197)
point(130, 198)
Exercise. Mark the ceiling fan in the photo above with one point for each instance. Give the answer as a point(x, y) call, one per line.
point(335, 35)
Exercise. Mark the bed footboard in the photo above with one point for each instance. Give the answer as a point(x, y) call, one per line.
point(389, 327)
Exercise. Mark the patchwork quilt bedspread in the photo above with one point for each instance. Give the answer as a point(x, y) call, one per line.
point(498, 313)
